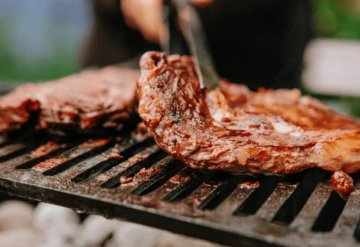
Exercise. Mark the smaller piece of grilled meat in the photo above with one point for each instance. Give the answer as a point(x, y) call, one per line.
point(92, 99)
point(231, 128)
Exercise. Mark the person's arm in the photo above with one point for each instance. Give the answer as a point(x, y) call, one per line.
point(146, 16)
point(110, 39)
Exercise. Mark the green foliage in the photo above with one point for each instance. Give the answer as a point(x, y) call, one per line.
point(332, 18)
point(354, 106)
point(59, 62)
point(337, 18)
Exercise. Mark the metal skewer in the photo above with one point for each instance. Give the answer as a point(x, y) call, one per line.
point(194, 37)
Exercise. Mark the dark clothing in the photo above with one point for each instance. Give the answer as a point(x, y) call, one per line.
point(256, 42)
point(111, 40)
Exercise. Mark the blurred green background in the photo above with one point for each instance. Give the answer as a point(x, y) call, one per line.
point(59, 25)
point(41, 39)
point(337, 18)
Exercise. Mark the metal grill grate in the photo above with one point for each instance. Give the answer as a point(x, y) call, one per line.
point(135, 180)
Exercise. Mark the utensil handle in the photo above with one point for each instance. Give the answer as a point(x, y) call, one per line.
point(193, 35)
point(174, 42)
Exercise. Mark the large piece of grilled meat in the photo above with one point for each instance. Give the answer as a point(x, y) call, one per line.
point(233, 129)
point(91, 100)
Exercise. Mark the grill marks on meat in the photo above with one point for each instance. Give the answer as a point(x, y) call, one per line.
point(100, 98)
point(231, 128)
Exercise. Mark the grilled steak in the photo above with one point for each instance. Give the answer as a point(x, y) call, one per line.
point(99, 98)
point(234, 129)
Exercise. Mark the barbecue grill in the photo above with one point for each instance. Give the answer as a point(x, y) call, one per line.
point(129, 177)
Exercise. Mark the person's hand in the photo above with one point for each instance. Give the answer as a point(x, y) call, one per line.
point(146, 16)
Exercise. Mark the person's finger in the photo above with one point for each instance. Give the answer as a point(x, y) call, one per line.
point(146, 16)
point(151, 23)
point(202, 3)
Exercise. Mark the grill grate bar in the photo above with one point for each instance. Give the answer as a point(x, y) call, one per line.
point(116, 170)
point(305, 219)
point(132, 170)
point(81, 156)
point(34, 161)
point(162, 192)
point(185, 190)
point(293, 205)
point(221, 193)
point(129, 150)
point(160, 178)
point(256, 199)
point(330, 213)
point(17, 151)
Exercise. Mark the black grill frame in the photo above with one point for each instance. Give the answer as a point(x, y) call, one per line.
point(210, 206)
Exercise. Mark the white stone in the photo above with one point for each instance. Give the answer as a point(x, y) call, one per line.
point(95, 230)
point(130, 234)
point(15, 214)
point(59, 226)
point(22, 237)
